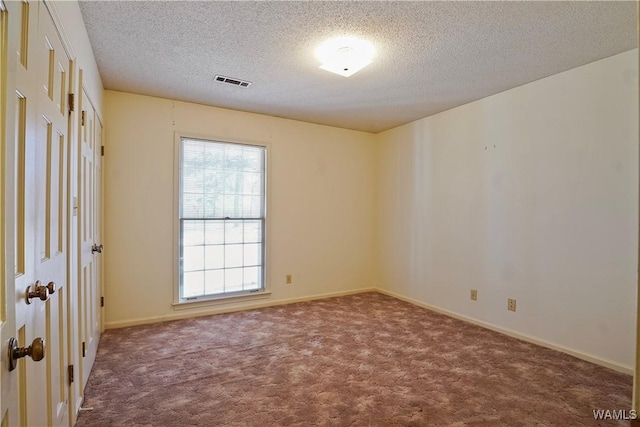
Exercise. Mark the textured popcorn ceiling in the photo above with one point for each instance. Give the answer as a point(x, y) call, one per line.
point(431, 56)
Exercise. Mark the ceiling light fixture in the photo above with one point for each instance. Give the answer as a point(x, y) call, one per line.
point(345, 55)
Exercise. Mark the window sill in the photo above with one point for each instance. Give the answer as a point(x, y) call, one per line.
point(213, 301)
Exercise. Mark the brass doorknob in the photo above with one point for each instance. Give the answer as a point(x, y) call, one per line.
point(51, 287)
point(37, 291)
point(36, 351)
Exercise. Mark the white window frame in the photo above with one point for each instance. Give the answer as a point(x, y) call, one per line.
point(183, 303)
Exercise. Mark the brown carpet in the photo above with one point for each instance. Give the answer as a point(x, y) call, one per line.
point(360, 360)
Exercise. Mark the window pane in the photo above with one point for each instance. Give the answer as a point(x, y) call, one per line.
point(251, 278)
point(214, 257)
point(233, 231)
point(251, 206)
point(213, 206)
point(233, 157)
point(233, 279)
point(253, 160)
point(233, 183)
point(213, 155)
point(252, 183)
point(192, 154)
point(193, 258)
point(214, 281)
point(252, 254)
point(232, 206)
point(252, 231)
point(232, 256)
point(193, 180)
point(193, 284)
point(218, 207)
point(192, 205)
point(192, 233)
point(214, 232)
point(213, 181)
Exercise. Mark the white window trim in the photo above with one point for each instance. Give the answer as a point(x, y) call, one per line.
point(220, 300)
point(265, 292)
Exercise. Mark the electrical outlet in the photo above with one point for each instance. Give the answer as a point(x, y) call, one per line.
point(474, 294)
point(288, 279)
point(511, 304)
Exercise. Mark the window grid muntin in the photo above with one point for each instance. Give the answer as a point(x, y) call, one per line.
point(253, 168)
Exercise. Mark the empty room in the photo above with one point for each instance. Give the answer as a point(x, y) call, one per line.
point(332, 213)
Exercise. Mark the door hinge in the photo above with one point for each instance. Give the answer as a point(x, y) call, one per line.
point(70, 372)
point(83, 117)
point(102, 150)
point(72, 103)
point(101, 301)
point(84, 350)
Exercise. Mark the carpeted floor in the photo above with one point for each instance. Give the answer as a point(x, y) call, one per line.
point(360, 360)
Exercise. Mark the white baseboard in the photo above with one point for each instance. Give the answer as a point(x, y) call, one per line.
point(580, 355)
point(225, 309)
point(78, 406)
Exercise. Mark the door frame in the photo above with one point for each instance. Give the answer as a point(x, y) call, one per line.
point(635, 401)
point(8, 43)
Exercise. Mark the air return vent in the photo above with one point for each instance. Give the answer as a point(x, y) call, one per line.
point(232, 81)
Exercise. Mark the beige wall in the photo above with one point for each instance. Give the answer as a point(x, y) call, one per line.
point(320, 196)
point(530, 194)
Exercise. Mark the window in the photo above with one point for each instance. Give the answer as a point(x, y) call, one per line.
point(222, 219)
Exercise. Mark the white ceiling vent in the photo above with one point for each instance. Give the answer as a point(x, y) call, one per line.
point(232, 81)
